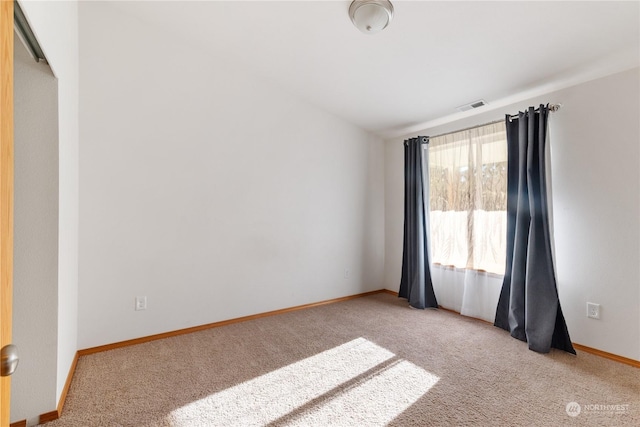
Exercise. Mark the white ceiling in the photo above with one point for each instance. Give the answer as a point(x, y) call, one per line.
point(433, 57)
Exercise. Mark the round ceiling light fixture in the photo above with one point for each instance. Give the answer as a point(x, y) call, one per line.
point(371, 16)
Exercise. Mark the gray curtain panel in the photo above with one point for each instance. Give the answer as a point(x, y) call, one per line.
point(415, 284)
point(528, 306)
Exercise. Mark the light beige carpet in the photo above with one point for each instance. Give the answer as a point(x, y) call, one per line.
point(365, 362)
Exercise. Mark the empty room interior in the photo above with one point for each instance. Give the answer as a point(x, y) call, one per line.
point(327, 213)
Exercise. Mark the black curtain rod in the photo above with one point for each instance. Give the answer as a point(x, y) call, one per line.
point(552, 107)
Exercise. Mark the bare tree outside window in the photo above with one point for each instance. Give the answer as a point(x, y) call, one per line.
point(468, 198)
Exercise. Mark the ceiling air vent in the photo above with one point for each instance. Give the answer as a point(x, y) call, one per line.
point(472, 105)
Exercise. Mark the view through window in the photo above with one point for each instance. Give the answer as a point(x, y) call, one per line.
point(468, 198)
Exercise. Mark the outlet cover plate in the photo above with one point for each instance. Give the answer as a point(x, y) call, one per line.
point(141, 303)
point(593, 310)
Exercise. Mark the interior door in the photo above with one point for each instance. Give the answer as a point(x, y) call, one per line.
point(6, 194)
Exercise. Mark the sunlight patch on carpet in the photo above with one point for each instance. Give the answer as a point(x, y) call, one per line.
point(357, 382)
point(374, 402)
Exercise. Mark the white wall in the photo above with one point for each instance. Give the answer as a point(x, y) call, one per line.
point(595, 155)
point(209, 190)
point(55, 24)
point(35, 278)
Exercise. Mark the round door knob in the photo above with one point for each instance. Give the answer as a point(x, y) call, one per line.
point(9, 363)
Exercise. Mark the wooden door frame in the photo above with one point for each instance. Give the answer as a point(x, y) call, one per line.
point(6, 193)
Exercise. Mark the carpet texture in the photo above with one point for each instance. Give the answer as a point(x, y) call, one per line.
point(370, 361)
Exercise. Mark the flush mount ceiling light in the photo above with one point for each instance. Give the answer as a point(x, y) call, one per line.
point(371, 16)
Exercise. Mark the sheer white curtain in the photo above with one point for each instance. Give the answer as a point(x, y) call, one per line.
point(468, 193)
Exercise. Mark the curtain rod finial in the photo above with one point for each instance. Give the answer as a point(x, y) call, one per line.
point(554, 107)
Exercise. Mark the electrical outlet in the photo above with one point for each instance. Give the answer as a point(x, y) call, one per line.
point(346, 273)
point(141, 303)
point(593, 310)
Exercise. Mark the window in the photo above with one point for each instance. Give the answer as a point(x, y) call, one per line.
point(468, 198)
